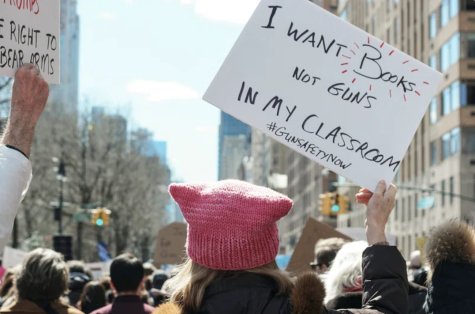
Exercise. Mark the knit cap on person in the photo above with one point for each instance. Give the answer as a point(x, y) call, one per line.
point(232, 225)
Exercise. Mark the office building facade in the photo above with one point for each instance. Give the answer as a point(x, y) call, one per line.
point(439, 164)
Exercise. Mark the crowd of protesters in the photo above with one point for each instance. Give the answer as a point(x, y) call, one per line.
point(232, 243)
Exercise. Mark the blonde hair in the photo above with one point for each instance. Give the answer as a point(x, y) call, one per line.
point(188, 287)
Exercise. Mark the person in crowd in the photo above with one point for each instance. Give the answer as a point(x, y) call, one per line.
point(7, 293)
point(419, 274)
point(325, 252)
point(344, 281)
point(450, 253)
point(159, 277)
point(40, 284)
point(127, 277)
point(106, 283)
point(79, 276)
point(29, 95)
point(93, 297)
point(149, 269)
point(232, 243)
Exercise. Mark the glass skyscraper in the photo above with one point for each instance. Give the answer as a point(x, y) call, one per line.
point(231, 129)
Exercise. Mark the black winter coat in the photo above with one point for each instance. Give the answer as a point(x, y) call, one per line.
point(384, 282)
point(452, 289)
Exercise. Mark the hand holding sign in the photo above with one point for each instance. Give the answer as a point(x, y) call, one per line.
point(326, 89)
point(379, 207)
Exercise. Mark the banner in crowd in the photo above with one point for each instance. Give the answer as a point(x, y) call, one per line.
point(170, 247)
point(99, 270)
point(326, 89)
point(12, 257)
point(304, 252)
point(29, 33)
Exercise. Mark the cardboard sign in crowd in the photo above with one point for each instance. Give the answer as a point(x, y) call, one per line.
point(170, 246)
point(326, 89)
point(29, 33)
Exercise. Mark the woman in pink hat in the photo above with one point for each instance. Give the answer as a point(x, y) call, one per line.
point(233, 242)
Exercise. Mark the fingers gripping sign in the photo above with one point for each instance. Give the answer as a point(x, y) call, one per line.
point(379, 206)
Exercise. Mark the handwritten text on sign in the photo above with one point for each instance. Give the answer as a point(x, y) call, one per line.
point(29, 33)
point(326, 89)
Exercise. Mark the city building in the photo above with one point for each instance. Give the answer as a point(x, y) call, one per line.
point(233, 146)
point(233, 149)
point(66, 94)
point(266, 162)
point(440, 162)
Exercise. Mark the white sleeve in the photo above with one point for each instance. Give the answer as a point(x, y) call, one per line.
point(15, 178)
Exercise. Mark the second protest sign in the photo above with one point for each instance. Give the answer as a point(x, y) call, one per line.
point(326, 89)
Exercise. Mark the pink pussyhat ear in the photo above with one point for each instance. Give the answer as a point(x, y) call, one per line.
point(184, 194)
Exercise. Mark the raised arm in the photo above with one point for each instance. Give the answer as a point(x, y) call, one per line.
point(29, 96)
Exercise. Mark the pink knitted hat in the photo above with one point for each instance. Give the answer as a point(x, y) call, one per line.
point(231, 224)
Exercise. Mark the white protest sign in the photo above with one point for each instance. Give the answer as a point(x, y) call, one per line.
point(29, 33)
point(99, 269)
point(326, 89)
point(12, 257)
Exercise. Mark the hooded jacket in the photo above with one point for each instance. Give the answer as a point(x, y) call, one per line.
point(384, 282)
point(450, 252)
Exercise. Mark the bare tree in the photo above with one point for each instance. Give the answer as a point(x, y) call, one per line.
point(105, 163)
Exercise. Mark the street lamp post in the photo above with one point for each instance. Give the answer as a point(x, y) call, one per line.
point(61, 176)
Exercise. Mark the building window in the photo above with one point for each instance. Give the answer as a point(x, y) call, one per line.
point(343, 15)
point(372, 24)
point(433, 153)
point(455, 95)
point(409, 213)
point(451, 98)
point(454, 43)
point(388, 36)
point(442, 187)
point(416, 201)
point(467, 5)
point(403, 210)
point(433, 25)
point(451, 187)
point(455, 141)
point(444, 13)
point(467, 43)
point(444, 57)
point(433, 62)
point(468, 93)
point(450, 52)
point(468, 138)
point(433, 111)
point(396, 2)
point(446, 145)
point(450, 143)
point(388, 6)
point(454, 8)
point(395, 30)
point(446, 101)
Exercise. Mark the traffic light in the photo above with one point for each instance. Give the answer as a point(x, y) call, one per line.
point(95, 216)
point(105, 214)
point(100, 216)
point(64, 244)
point(343, 203)
point(325, 204)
